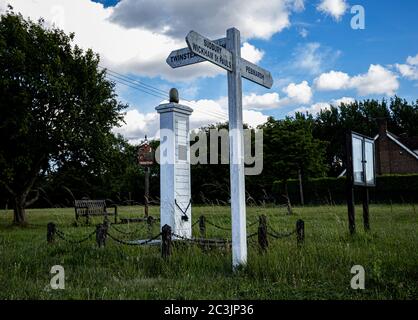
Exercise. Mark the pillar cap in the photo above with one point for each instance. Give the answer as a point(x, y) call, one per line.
point(174, 95)
point(174, 107)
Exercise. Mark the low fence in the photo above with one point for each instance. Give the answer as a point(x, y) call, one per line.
point(167, 239)
point(389, 189)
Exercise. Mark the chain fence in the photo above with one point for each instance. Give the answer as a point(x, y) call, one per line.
point(67, 237)
point(102, 232)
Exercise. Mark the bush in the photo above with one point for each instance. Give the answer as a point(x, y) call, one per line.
point(389, 188)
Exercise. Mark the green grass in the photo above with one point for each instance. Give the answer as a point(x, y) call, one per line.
point(320, 269)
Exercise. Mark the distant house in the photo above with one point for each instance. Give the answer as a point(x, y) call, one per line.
point(395, 155)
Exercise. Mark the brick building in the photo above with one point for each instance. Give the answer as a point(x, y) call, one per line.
point(395, 155)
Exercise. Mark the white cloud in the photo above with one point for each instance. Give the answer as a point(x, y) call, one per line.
point(313, 58)
point(208, 111)
point(251, 53)
point(408, 71)
point(412, 60)
point(298, 93)
point(378, 80)
point(335, 8)
point(256, 19)
point(343, 100)
point(332, 80)
point(313, 109)
point(303, 32)
point(260, 102)
point(137, 125)
point(205, 112)
point(137, 50)
point(322, 106)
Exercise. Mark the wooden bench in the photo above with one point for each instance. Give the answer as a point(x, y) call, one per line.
point(87, 208)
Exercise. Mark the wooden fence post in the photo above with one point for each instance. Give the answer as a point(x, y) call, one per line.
point(166, 241)
point(150, 222)
point(366, 200)
point(300, 231)
point(101, 232)
point(202, 226)
point(50, 232)
point(262, 233)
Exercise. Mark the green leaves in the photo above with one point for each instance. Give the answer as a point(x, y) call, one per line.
point(56, 105)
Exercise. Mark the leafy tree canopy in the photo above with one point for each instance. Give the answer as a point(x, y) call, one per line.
point(56, 106)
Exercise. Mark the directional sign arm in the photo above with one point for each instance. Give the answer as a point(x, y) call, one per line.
point(256, 74)
point(184, 57)
point(209, 50)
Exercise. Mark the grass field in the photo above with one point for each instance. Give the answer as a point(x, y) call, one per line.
point(320, 269)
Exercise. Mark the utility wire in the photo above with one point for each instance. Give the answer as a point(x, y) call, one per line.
point(133, 86)
point(141, 86)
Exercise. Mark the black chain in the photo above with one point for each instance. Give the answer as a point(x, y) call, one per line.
point(200, 241)
point(252, 235)
point(184, 217)
point(36, 225)
point(216, 226)
point(251, 224)
point(131, 243)
point(129, 232)
point(281, 235)
point(63, 236)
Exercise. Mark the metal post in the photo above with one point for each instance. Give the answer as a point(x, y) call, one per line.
point(202, 226)
point(300, 231)
point(302, 199)
point(146, 196)
point(50, 232)
point(101, 233)
point(366, 200)
point(150, 222)
point(236, 152)
point(349, 186)
point(166, 241)
point(262, 233)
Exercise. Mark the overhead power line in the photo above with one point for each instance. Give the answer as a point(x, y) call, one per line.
point(156, 92)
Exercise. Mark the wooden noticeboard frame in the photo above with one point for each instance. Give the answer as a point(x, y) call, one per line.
point(364, 182)
point(364, 140)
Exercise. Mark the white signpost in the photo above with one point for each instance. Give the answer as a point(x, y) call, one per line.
point(229, 58)
point(250, 71)
point(184, 57)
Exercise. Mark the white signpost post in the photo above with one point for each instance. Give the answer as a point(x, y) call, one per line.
point(228, 57)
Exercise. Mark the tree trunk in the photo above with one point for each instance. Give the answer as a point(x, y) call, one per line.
point(19, 217)
point(302, 199)
point(289, 205)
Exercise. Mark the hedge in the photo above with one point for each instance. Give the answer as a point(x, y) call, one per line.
point(389, 189)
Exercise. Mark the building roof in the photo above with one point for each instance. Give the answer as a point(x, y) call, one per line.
point(399, 143)
point(412, 148)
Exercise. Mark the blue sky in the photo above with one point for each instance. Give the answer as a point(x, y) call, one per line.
point(314, 55)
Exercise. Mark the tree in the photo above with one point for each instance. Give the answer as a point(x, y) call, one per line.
point(56, 107)
point(290, 149)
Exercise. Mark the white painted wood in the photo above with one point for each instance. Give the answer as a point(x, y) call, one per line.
point(174, 172)
point(209, 50)
point(184, 57)
point(254, 73)
point(202, 49)
point(236, 153)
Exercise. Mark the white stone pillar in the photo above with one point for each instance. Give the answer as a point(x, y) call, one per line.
point(174, 158)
